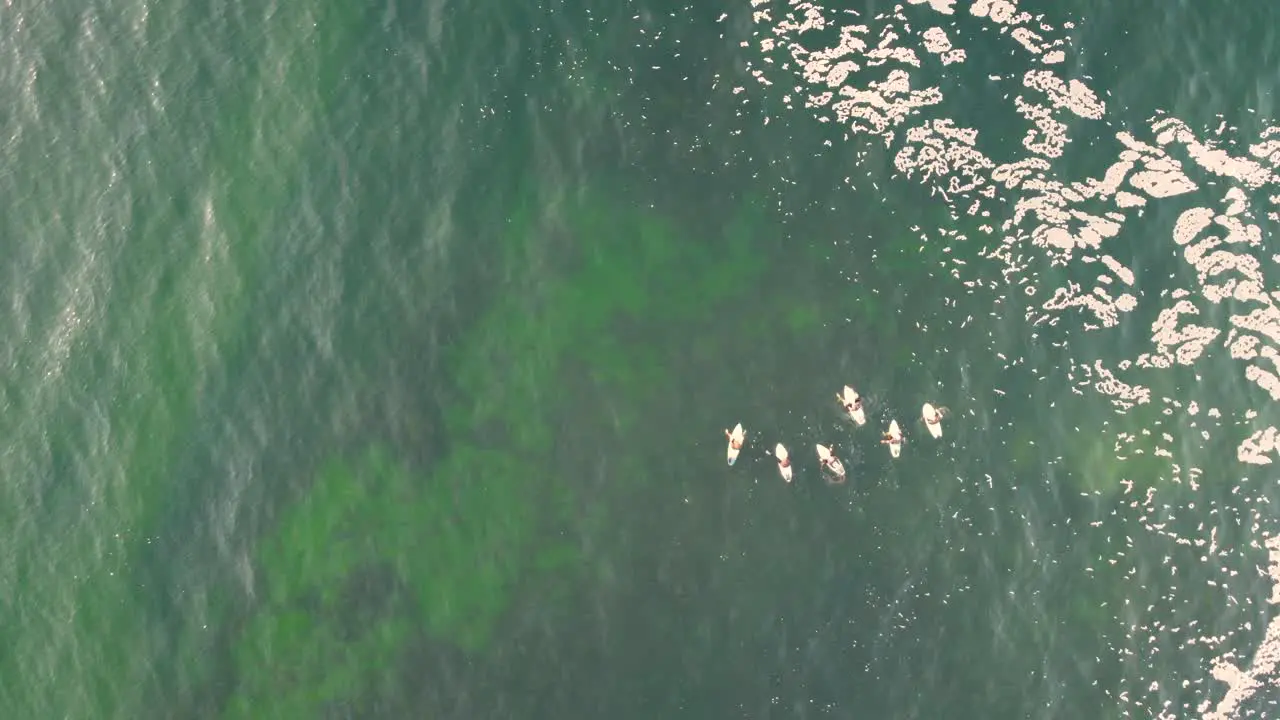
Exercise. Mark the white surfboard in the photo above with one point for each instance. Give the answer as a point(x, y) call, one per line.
point(893, 438)
point(852, 404)
point(784, 462)
point(739, 438)
point(932, 420)
point(831, 463)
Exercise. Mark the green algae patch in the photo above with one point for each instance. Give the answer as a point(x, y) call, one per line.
point(301, 663)
point(803, 319)
point(375, 555)
point(476, 545)
point(459, 538)
point(335, 617)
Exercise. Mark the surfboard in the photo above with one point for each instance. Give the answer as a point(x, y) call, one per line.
point(851, 397)
point(740, 435)
point(932, 420)
point(832, 464)
point(784, 467)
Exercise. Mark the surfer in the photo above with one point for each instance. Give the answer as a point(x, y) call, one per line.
point(784, 462)
point(933, 419)
point(832, 464)
point(893, 438)
point(736, 440)
point(852, 403)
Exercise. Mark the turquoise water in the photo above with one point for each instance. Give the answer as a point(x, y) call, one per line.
point(373, 362)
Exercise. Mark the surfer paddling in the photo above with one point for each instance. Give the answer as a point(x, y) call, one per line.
point(784, 462)
point(831, 464)
point(736, 439)
point(893, 438)
point(933, 419)
point(852, 403)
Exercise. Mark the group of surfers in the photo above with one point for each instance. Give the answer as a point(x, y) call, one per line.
point(852, 404)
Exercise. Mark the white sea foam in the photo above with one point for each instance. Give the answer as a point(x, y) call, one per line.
point(869, 75)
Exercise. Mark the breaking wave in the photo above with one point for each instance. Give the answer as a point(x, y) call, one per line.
point(1062, 238)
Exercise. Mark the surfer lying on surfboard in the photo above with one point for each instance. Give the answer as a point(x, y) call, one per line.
point(893, 438)
point(852, 403)
point(831, 464)
point(933, 419)
point(784, 462)
point(736, 439)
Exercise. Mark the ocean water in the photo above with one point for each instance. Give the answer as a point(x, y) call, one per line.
point(373, 361)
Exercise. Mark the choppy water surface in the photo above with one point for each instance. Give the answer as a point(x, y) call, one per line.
point(374, 362)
